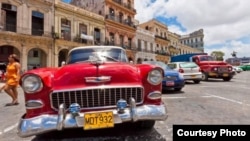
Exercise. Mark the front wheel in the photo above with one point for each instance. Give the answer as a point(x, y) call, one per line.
point(227, 78)
point(177, 89)
point(204, 76)
point(196, 81)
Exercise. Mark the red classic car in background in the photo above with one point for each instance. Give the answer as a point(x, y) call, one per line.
point(96, 88)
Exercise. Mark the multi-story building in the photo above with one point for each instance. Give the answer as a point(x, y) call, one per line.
point(194, 40)
point(174, 46)
point(25, 29)
point(145, 45)
point(162, 41)
point(41, 32)
point(75, 26)
point(119, 21)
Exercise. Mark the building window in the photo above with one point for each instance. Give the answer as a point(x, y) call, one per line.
point(129, 42)
point(83, 29)
point(112, 38)
point(121, 40)
point(145, 46)
point(139, 45)
point(120, 17)
point(65, 29)
point(97, 36)
point(37, 23)
point(151, 47)
point(8, 17)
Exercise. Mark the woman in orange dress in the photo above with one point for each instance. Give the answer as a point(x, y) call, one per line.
point(12, 79)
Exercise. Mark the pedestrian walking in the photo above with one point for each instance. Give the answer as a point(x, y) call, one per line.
point(12, 79)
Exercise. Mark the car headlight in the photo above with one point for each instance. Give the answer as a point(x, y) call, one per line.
point(155, 77)
point(31, 84)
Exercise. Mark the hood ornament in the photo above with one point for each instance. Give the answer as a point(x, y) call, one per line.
point(99, 79)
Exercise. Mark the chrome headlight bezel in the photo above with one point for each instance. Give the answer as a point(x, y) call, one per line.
point(155, 76)
point(32, 84)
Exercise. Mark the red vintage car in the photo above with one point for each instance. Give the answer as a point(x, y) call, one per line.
point(96, 88)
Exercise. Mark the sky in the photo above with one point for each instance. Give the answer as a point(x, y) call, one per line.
point(226, 23)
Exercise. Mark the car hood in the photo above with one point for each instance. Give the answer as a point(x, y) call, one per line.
point(76, 75)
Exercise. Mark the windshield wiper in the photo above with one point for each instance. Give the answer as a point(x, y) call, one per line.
point(82, 61)
point(111, 58)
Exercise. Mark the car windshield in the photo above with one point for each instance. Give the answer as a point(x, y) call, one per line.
point(104, 54)
point(206, 58)
point(188, 65)
point(158, 63)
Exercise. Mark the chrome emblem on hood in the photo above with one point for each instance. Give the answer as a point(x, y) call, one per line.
point(99, 79)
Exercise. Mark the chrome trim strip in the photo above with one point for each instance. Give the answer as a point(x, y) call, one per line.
point(154, 92)
point(34, 101)
point(100, 79)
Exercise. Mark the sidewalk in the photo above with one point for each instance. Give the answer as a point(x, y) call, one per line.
point(1, 84)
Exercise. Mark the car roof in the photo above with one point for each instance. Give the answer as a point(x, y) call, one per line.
point(88, 47)
point(180, 62)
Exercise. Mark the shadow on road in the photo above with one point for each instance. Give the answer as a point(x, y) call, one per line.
point(122, 132)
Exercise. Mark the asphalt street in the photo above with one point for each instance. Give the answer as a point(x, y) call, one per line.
point(211, 102)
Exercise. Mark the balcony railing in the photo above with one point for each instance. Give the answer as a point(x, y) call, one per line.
point(28, 31)
point(77, 38)
point(163, 38)
point(120, 20)
point(126, 5)
point(161, 52)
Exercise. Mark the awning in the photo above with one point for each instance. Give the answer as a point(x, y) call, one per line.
point(87, 37)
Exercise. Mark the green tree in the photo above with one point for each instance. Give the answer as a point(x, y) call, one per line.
point(218, 55)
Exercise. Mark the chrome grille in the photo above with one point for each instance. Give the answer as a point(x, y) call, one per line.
point(222, 69)
point(170, 78)
point(96, 98)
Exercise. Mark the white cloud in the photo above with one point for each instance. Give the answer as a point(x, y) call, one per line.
point(223, 21)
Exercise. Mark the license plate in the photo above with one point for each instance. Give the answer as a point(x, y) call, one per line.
point(170, 83)
point(98, 120)
point(193, 76)
point(225, 75)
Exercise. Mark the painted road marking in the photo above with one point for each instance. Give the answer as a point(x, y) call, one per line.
point(9, 128)
point(183, 97)
point(231, 100)
point(209, 96)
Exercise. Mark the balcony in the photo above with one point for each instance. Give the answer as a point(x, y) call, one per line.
point(161, 52)
point(125, 5)
point(8, 27)
point(27, 31)
point(121, 21)
point(163, 38)
point(77, 39)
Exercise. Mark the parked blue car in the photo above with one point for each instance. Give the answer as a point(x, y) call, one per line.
point(172, 78)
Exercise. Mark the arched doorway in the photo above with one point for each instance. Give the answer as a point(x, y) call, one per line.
point(62, 56)
point(139, 61)
point(6, 50)
point(37, 58)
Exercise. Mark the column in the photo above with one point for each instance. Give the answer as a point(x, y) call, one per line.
point(24, 57)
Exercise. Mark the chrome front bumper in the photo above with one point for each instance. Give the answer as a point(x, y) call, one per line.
point(46, 123)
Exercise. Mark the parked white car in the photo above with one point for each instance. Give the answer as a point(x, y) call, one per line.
point(237, 69)
point(189, 70)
